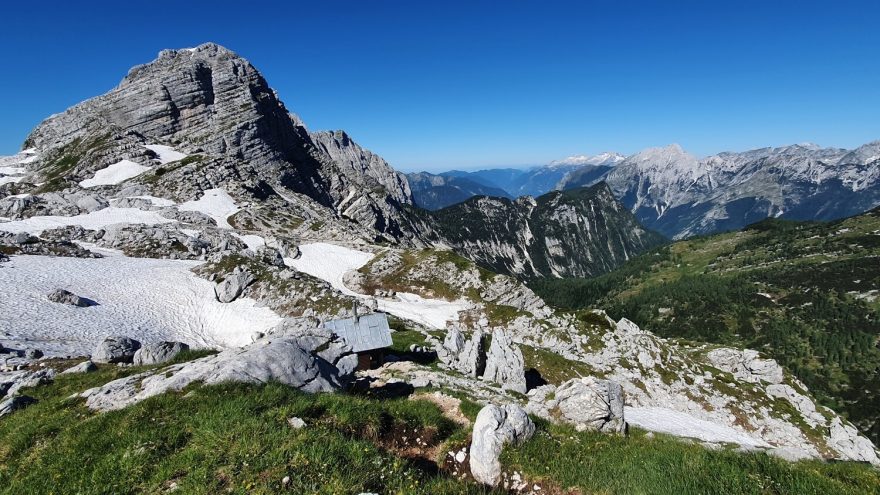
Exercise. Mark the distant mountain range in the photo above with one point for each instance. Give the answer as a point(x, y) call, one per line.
point(679, 195)
point(501, 182)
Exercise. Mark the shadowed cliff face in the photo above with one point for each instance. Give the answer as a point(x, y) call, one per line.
point(578, 233)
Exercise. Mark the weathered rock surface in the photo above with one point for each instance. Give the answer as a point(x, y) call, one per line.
point(292, 361)
point(11, 382)
point(494, 427)
point(83, 367)
point(33, 354)
point(591, 404)
point(158, 353)
point(12, 404)
point(746, 365)
point(233, 285)
point(505, 364)
point(116, 349)
point(465, 356)
point(62, 296)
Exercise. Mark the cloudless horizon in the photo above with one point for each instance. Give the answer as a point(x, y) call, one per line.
point(468, 85)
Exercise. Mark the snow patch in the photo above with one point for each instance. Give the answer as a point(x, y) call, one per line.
point(115, 174)
point(147, 299)
point(254, 242)
point(330, 262)
point(95, 220)
point(433, 313)
point(7, 179)
point(216, 203)
point(679, 424)
point(167, 154)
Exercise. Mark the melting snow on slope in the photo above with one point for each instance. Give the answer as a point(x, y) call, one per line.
point(254, 242)
point(147, 299)
point(433, 313)
point(679, 424)
point(115, 174)
point(167, 154)
point(331, 262)
point(95, 220)
point(216, 203)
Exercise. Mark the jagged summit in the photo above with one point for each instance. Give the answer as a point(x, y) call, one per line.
point(209, 101)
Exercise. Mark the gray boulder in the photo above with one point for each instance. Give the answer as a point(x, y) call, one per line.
point(12, 404)
point(83, 367)
point(291, 361)
point(116, 349)
point(591, 404)
point(496, 426)
point(12, 382)
point(33, 354)
point(233, 285)
point(62, 296)
point(158, 353)
point(505, 364)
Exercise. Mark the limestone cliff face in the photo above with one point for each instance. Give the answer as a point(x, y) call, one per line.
point(211, 102)
point(577, 233)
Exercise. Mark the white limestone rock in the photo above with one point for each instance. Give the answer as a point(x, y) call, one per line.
point(116, 349)
point(746, 365)
point(158, 353)
point(494, 427)
point(505, 364)
point(291, 361)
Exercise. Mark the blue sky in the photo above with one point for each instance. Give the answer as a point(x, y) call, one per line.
point(476, 84)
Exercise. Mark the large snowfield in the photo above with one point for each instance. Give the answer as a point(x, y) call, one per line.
point(331, 262)
point(146, 299)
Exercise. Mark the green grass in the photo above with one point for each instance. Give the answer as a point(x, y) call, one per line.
point(234, 438)
point(554, 368)
point(229, 438)
point(597, 463)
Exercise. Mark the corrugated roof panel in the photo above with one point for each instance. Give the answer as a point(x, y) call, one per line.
point(370, 332)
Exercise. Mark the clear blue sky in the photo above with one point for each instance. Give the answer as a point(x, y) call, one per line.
point(467, 84)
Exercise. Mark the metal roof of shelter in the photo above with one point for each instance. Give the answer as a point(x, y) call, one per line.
point(363, 333)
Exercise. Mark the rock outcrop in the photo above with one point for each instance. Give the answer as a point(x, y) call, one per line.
point(83, 367)
point(116, 349)
point(12, 382)
point(505, 364)
point(158, 353)
point(233, 285)
point(62, 296)
point(12, 404)
point(464, 355)
point(746, 365)
point(591, 404)
point(495, 427)
point(293, 361)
